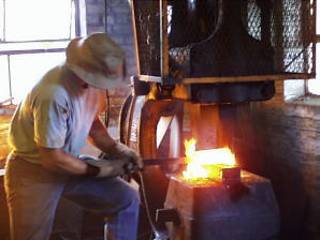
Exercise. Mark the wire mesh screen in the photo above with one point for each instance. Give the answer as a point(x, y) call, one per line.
point(228, 37)
point(147, 25)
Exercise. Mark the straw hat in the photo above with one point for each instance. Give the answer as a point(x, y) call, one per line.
point(97, 60)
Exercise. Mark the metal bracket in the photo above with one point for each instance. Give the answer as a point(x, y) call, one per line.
point(167, 215)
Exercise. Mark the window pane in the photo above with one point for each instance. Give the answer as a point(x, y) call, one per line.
point(27, 69)
point(4, 79)
point(294, 89)
point(314, 84)
point(1, 19)
point(38, 19)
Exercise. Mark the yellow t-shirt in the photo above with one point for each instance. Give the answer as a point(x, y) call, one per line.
point(55, 114)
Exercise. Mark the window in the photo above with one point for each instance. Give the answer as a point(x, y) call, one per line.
point(314, 84)
point(33, 38)
point(303, 89)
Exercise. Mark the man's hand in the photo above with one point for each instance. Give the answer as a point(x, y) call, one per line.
point(110, 168)
point(121, 151)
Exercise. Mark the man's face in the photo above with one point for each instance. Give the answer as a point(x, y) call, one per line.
point(78, 81)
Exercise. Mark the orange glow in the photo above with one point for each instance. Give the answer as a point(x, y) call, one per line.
point(206, 164)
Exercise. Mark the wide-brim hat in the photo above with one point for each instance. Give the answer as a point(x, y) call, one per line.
point(97, 60)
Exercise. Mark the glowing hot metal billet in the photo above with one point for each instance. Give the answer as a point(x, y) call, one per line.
point(204, 165)
point(212, 164)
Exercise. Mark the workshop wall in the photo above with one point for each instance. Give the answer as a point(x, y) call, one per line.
point(116, 21)
point(281, 141)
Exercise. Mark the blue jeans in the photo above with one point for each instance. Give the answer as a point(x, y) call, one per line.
point(33, 194)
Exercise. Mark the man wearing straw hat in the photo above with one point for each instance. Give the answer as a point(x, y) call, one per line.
point(47, 131)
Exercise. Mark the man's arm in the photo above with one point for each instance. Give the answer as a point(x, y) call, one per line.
point(58, 161)
point(101, 139)
point(100, 136)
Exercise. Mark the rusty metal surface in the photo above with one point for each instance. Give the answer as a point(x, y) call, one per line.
point(213, 211)
point(231, 175)
point(150, 116)
point(139, 118)
point(237, 92)
point(138, 128)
